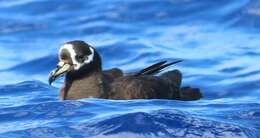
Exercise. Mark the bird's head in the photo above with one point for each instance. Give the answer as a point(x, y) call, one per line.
point(74, 57)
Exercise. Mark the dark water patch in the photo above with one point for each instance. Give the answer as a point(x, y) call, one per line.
point(167, 123)
point(247, 74)
point(111, 54)
point(233, 90)
point(37, 66)
point(25, 93)
point(45, 111)
point(252, 53)
point(24, 87)
point(231, 69)
point(207, 80)
point(16, 26)
point(246, 87)
point(43, 7)
point(202, 63)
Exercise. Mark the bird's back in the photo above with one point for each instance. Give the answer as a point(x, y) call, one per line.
point(166, 86)
point(111, 74)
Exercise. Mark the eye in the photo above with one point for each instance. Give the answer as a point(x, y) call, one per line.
point(80, 58)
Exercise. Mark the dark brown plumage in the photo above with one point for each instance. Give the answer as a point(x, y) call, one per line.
point(84, 78)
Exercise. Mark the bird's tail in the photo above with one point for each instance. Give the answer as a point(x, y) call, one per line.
point(184, 93)
point(189, 94)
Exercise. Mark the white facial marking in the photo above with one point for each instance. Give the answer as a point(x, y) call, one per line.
point(69, 47)
point(72, 52)
point(91, 56)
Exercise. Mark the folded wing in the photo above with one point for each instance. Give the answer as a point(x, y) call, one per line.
point(156, 68)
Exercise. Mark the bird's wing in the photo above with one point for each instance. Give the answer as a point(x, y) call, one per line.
point(156, 68)
point(113, 73)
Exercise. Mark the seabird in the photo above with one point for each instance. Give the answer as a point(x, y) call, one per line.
point(81, 64)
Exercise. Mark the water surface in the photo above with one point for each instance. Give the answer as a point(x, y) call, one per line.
point(218, 41)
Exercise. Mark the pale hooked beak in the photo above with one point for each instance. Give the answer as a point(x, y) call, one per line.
point(62, 68)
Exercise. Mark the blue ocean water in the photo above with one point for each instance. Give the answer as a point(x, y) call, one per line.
point(218, 40)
